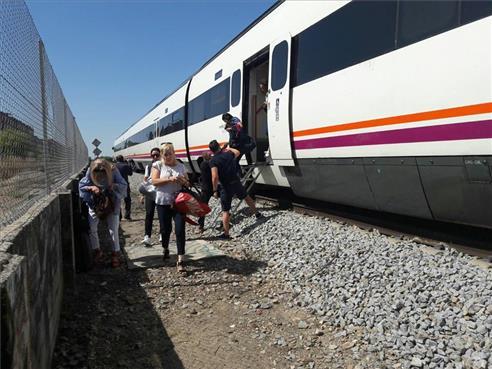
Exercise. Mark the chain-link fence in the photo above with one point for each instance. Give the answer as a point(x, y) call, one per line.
point(40, 143)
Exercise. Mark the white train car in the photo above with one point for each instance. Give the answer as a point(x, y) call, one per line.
point(384, 105)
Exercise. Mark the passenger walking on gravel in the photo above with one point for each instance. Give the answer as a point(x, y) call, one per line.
point(169, 176)
point(224, 169)
point(206, 185)
point(125, 171)
point(102, 189)
point(149, 199)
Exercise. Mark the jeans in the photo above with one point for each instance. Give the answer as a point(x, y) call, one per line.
point(166, 215)
point(128, 203)
point(113, 221)
point(149, 214)
point(205, 197)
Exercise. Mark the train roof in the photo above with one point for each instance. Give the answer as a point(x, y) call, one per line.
point(215, 56)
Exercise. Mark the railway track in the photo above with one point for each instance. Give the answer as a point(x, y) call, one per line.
point(469, 240)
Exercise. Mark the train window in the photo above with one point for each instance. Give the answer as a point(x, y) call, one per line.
point(236, 88)
point(163, 126)
point(150, 133)
point(119, 146)
point(219, 100)
point(473, 10)
point(144, 135)
point(280, 57)
point(418, 20)
point(178, 119)
point(211, 103)
point(197, 109)
point(359, 31)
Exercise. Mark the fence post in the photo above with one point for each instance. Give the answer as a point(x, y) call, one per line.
point(44, 111)
point(74, 156)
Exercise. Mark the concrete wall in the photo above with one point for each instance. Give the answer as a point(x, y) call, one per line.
point(32, 271)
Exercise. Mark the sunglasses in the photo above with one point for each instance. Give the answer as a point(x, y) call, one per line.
point(155, 155)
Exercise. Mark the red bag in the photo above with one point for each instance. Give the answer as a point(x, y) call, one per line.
point(188, 204)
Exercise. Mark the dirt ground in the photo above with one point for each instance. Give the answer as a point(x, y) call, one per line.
point(227, 312)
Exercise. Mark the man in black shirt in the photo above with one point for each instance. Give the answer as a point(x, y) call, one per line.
point(125, 171)
point(206, 184)
point(224, 169)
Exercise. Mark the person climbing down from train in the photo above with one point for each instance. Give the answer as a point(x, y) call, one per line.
point(169, 176)
point(102, 189)
point(149, 197)
point(224, 169)
point(206, 185)
point(238, 137)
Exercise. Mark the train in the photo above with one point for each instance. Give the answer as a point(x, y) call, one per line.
point(381, 105)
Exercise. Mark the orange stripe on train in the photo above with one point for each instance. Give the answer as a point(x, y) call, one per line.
point(407, 118)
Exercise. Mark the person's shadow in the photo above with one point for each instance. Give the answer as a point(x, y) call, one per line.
point(243, 267)
point(110, 322)
point(244, 213)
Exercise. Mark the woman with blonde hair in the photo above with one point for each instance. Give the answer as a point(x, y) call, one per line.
point(169, 176)
point(102, 189)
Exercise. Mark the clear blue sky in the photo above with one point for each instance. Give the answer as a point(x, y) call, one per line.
point(116, 59)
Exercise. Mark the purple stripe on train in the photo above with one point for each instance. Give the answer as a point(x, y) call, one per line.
point(192, 153)
point(446, 132)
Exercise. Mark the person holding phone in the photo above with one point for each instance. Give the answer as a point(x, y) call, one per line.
point(169, 176)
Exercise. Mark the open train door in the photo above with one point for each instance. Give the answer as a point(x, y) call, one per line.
point(279, 131)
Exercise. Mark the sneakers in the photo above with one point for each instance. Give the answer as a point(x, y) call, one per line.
point(165, 255)
point(98, 255)
point(115, 259)
point(224, 236)
point(180, 267)
point(146, 241)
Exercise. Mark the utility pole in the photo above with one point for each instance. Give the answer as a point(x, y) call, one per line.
point(44, 113)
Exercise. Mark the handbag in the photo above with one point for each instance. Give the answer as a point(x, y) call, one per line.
point(147, 189)
point(187, 202)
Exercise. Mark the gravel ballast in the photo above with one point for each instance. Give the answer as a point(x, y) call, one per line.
point(415, 306)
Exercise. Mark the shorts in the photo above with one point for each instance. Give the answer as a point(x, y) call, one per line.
point(228, 192)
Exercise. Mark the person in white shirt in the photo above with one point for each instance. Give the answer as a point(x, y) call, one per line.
point(169, 176)
point(155, 154)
